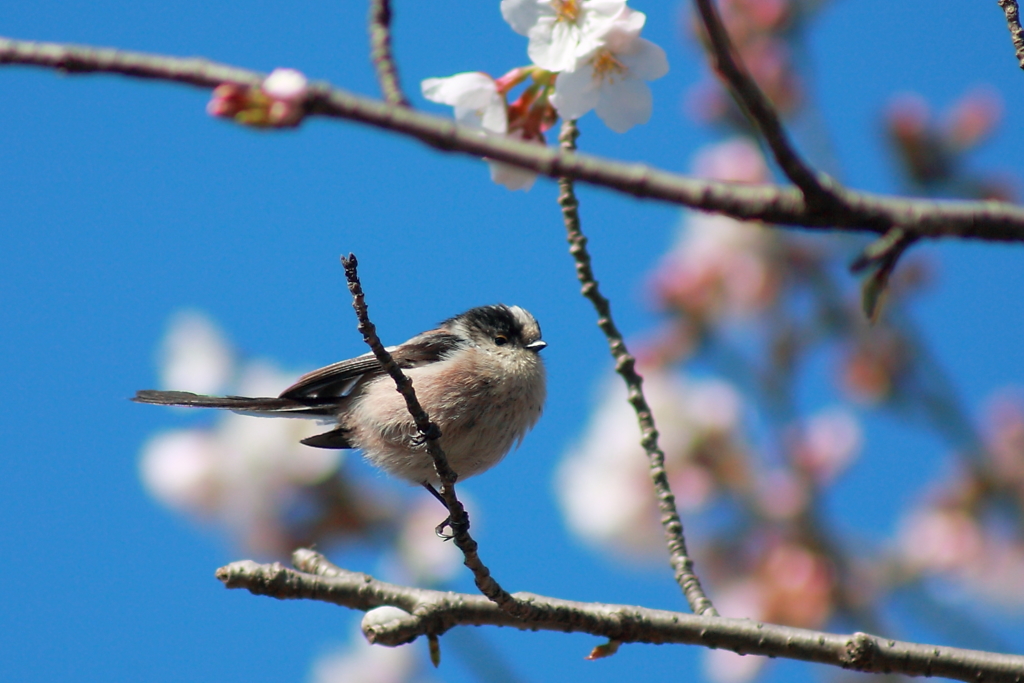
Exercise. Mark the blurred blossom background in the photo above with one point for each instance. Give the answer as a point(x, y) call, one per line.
point(831, 473)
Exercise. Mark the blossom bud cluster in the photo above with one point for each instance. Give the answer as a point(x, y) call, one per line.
point(278, 103)
point(587, 55)
point(965, 530)
point(931, 149)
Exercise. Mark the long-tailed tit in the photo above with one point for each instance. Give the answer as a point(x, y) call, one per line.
point(478, 375)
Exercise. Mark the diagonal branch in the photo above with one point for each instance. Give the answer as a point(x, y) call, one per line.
point(852, 210)
point(817, 187)
point(429, 432)
point(380, 53)
point(429, 612)
point(1012, 12)
point(625, 365)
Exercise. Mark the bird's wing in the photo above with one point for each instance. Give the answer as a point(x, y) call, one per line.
point(338, 379)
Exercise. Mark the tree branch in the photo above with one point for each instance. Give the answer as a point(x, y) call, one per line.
point(852, 210)
point(1012, 12)
point(625, 365)
point(458, 517)
point(380, 53)
point(429, 612)
point(816, 187)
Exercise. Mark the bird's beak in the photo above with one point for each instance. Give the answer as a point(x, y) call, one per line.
point(537, 345)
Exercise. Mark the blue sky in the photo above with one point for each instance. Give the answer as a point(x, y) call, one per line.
point(124, 202)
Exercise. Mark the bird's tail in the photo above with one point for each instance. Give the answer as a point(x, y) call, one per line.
point(271, 407)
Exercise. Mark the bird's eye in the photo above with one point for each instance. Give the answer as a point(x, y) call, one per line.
point(501, 340)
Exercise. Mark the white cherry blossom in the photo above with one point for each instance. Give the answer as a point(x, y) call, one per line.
point(560, 31)
point(611, 77)
point(479, 104)
point(475, 97)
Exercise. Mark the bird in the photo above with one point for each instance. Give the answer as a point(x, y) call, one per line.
point(478, 375)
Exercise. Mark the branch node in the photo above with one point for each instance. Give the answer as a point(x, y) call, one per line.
point(882, 256)
point(390, 626)
point(861, 651)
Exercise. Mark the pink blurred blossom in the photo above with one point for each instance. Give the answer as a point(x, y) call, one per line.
point(781, 495)
point(737, 160)
point(361, 662)
point(973, 117)
point(426, 557)
point(1004, 436)
point(743, 599)
point(827, 444)
point(798, 585)
point(724, 666)
point(194, 355)
point(873, 366)
point(940, 540)
point(604, 482)
point(719, 267)
point(242, 472)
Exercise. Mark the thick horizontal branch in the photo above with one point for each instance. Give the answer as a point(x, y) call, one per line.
point(430, 612)
point(860, 211)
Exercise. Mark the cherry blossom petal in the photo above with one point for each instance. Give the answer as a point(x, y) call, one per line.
point(576, 92)
point(511, 177)
point(553, 45)
point(522, 15)
point(469, 89)
point(645, 60)
point(475, 97)
point(624, 104)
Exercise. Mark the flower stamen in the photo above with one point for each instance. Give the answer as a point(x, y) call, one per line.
point(606, 66)
point(566, 10)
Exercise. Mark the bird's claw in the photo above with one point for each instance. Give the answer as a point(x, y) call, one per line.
point(439, 530)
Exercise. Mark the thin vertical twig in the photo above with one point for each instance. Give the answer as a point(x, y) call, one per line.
point(429, 432)
point(1012, 12)
point(625, 365)
point(380, 53)
point(817, 187)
